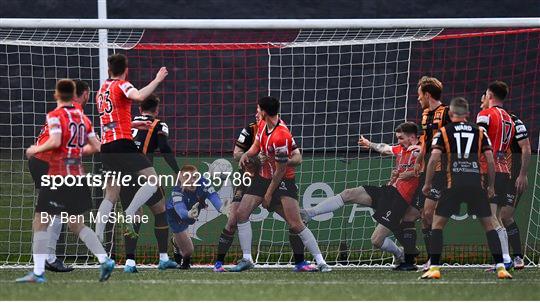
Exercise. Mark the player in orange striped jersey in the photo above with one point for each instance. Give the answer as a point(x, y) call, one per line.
point(70, 135)
point(38, 165)
point(120, 154)
point(500, 129)
point(514, 161)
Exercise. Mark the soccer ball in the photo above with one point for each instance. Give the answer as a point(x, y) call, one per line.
point(221, 168)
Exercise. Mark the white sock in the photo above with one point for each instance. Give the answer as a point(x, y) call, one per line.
point(102, 217)
point(39, 249)
point(163, 257)
point(54, 229)
point(501, 231)
point(391, 247)
point(327, 206)
point(90, 239)
point(245, 235)
point(311, 244)
point(130, 262)
point(141, 197)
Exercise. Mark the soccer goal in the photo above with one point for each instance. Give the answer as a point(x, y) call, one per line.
point(336, 79)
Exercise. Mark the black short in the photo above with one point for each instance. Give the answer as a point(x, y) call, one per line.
point(388, 204)
point(74, 200)
point(128, 192)
point(123, 156)
point(240, 190)
point(505, 191)
point(287, 187)
point(438, 184)
point(37, 168)
point(475, 197)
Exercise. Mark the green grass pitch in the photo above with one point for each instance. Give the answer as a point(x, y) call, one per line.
point(273, 284)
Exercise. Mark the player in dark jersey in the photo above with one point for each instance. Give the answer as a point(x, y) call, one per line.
point(434, 116)
point(500, 129)
point(390, 201)
point(157, 134)
point(520, 156)
point(148, 140)
point(38, 166)
point(458, 147)
point(120, 154)
point(274, 187)
point(70, 135)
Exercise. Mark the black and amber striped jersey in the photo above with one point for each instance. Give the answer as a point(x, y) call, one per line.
point(147, 140)
point(245, 141)
point(514, 152)
point(156, 137)
point(432, 122)
point(461, 143)
point(247, 136)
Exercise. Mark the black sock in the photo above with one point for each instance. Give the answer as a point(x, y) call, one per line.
point(427, 235)
point(436, 246)
point(225, 241)
point(297, 247)
point(494, 244)
point(407, 238)
point(514, 239)
point(186, 261)
point(161, 231)
point(131, 243)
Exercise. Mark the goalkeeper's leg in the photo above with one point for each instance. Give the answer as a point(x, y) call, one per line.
point(291, 212)
point(184, 243)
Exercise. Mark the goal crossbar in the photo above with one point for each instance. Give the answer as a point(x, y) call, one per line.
point(267, 23)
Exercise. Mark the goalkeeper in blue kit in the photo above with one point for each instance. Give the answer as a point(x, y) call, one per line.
point(187, 199)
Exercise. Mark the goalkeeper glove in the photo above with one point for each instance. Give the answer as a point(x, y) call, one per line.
point(193, 213)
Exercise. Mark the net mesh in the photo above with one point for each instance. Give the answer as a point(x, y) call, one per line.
point(334, 85)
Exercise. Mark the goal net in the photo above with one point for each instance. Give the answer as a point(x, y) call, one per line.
point(334, 85)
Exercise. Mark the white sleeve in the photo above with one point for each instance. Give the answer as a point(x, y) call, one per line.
point(125, 87)
point(482, 119)
point(54, 125)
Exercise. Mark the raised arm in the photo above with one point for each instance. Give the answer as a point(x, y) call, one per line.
point(140, 94)
point(382, 148)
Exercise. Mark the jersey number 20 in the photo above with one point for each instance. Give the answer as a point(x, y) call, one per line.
point(77, 137)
